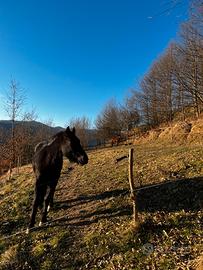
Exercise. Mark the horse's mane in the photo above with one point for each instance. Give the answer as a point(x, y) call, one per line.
point(40, 145)
point(58, 134)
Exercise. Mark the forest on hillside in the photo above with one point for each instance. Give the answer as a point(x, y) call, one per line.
point(173, 84)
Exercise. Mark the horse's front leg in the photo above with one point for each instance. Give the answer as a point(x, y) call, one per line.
point(38, 202)
point(34, 212)
point(48, 202)
point(51, 202)
point(40, 191)
point(51, 199)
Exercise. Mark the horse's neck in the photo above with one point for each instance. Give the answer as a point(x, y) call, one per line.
point(55, 145)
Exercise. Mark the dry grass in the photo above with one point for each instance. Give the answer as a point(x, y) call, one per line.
point(90, 226)
point(178, 133)
point(196, 134)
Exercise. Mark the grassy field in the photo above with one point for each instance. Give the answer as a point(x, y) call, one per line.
point(91, 226)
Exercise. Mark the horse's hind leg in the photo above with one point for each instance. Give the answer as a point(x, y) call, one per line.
point(51, 200)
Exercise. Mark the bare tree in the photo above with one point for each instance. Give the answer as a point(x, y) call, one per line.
point(13, 106)
point(129, 113)
point(82, 126)
point(108, 122)
point(30, 115)
point(25, 137)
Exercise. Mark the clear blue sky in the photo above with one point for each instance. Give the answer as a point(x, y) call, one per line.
point(72, 56)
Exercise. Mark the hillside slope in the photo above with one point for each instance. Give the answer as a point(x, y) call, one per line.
point(90, 226)
point(179, 132)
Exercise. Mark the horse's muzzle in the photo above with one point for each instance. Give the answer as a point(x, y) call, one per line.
point(83, 159)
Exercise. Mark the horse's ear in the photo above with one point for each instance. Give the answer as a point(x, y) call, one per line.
point(68, 130)
point(73, 130)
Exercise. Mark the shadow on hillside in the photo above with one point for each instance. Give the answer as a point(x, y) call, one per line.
point(172, 196)
point(176, 195)
point(89, 198)
point(92, 217)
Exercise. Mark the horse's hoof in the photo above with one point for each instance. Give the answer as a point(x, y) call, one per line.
point(40, 224)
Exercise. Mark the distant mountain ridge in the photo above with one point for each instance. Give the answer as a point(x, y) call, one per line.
point(6, 125)
point(35, 126)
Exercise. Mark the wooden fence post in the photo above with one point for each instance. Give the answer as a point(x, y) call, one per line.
point(132, 188)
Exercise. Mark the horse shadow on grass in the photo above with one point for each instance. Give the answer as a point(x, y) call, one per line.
point(81, 199)
point(170, 196)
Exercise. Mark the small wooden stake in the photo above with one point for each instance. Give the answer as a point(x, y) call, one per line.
point(132, 188)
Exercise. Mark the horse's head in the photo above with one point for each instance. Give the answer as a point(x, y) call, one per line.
point(72, 149)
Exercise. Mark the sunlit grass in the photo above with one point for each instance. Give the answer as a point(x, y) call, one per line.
point(91, 225)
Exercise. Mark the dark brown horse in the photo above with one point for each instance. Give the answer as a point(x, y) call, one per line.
point(47, 165)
